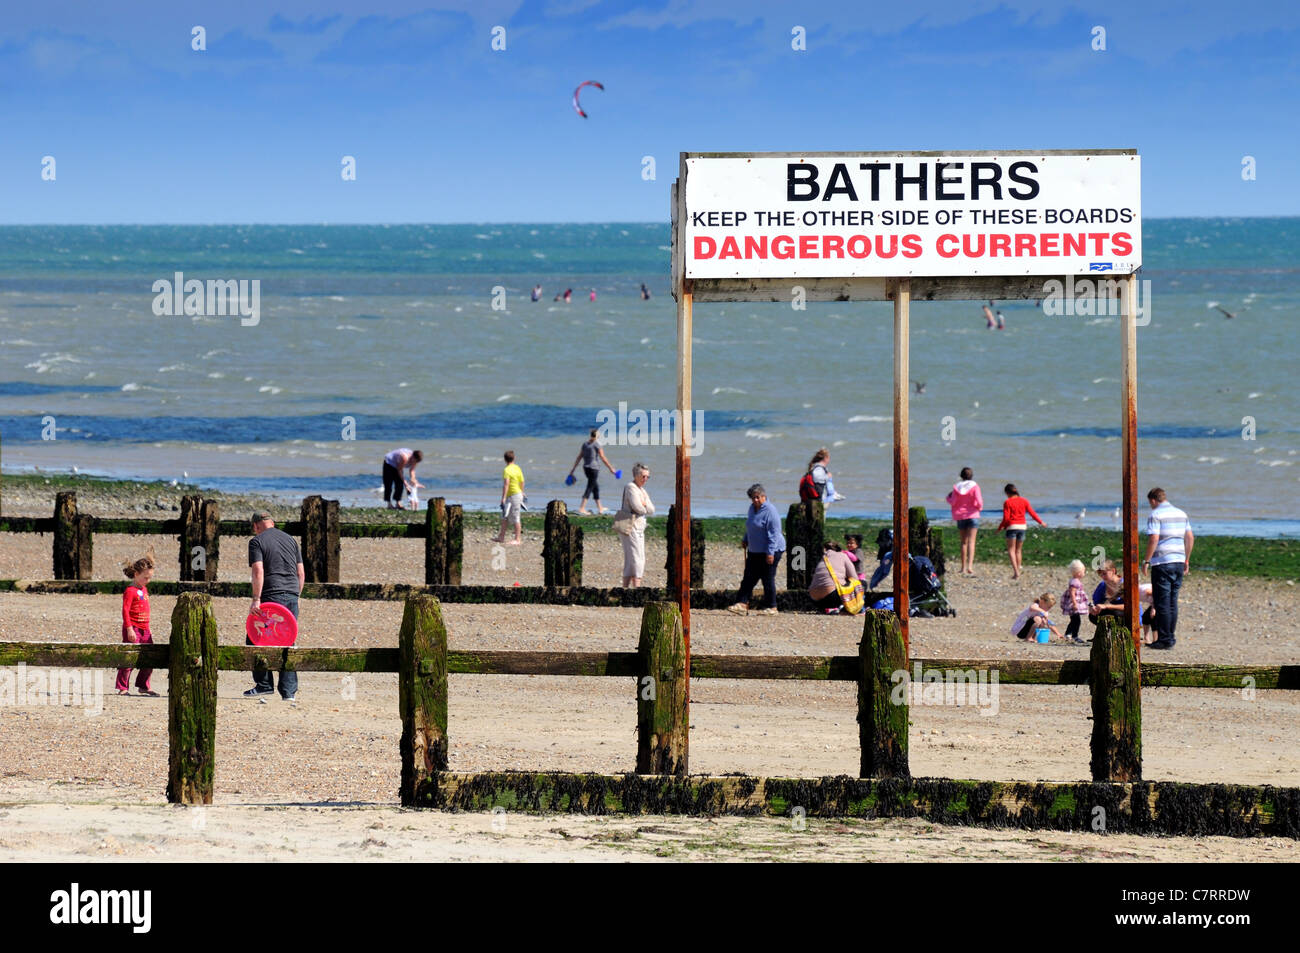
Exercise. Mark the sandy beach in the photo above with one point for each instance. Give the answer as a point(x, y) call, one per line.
point(338, 743)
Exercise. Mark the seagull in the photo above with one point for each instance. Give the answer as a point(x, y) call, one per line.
point(920, 386)
point(1226, 313)
point(75, 470)
point(1082, 513)
point(1117, 514)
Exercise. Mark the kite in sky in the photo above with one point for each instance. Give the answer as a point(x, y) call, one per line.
point(578, 106)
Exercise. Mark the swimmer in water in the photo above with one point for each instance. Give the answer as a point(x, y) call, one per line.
point(989, 322)
point(568, 295)
point(537, 292)
point(645, 292)
point(1002, 322)
point(593, 294)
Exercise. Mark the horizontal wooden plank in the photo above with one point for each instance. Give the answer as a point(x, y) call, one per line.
point(1165, 808)
point(796, 601)
point(383, 530)
point(624, 664)
point(27, 524)
point(244, 658)
point(137, 527)
point(543, 663)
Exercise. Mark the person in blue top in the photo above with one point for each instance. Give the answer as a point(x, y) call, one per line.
point(764, 547)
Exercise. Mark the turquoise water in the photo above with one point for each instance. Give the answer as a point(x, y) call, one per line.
point(394, 327)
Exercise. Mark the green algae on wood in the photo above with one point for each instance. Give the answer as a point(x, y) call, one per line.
point(662, 705)
point(422, 698)
point(192, 701)
point(1116, 704)
point(882, 697)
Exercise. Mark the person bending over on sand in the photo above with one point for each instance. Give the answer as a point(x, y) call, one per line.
point(841, 572)
point(629, 522)
point(591, 456)
point(512, 500)
point(1034, 616)
point(135, 620)
point(966, 503)
point(764, 547)
point(277, 574)
point(1013, 521)
point(395, 461)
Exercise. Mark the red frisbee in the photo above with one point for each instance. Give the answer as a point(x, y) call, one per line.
point(272, 625)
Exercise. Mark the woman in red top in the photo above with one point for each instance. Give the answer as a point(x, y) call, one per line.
point(1013, 521)
point(135, 621)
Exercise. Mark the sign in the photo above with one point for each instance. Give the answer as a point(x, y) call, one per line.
point(895, 215)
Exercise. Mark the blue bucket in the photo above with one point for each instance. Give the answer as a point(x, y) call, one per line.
point(1044, 635)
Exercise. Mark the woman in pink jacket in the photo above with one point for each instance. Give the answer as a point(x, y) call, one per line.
point(966, 503)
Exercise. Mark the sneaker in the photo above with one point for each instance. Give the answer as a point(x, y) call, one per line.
point(770, 610)
point(739, 608)
point(254, 692)
point(1161, 644)
point(834, 610)
point(291, 698)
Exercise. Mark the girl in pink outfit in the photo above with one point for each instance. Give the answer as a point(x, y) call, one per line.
point(966, 503)
point(135, 621)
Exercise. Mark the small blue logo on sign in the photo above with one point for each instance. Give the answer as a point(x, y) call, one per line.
point(1100, 265)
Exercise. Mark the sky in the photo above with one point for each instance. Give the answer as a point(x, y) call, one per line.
point(143, 128)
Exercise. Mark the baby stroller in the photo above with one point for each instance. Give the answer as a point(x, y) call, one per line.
point(924, 588)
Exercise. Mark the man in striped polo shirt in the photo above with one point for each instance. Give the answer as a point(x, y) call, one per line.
point(1169, 552)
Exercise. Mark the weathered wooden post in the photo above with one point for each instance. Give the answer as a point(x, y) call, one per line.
point(882, 697)
point(192, 700)
point(455, 544)
point(435, 542)
point(1116, 704)
point(73, 539)
point(924, 539)
point(556, 545)
point(697, 550)
point(422, 698)
point(662, 706)
point(805, 530)
point(320, 539)
point(210, 520)
point(575, 556)
point(200, 529)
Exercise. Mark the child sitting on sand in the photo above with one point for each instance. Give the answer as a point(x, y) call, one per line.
point(853, 547)
point(1034, 616)
point(1074, 601)
point(135, 620)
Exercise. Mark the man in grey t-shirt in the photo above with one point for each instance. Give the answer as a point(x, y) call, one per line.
point(277, 575)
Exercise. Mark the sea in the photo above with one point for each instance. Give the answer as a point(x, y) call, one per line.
point(370, 338)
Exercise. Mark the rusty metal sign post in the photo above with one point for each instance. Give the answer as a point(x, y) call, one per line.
point(843, 227)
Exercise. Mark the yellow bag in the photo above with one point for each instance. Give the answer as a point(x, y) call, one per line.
point(854, 596)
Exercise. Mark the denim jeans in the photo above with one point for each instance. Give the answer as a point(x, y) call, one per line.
point(288, 680)
point(757, 568)
point(1166, 580)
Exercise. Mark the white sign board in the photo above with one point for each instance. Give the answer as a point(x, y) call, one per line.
point(850, 215)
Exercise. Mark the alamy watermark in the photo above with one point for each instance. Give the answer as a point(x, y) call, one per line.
point(22, 686)
point(974, 688)
point(1095, 297)
point(213, 298)
point(650, 428)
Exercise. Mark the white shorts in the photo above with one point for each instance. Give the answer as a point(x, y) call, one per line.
point(512, 511)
